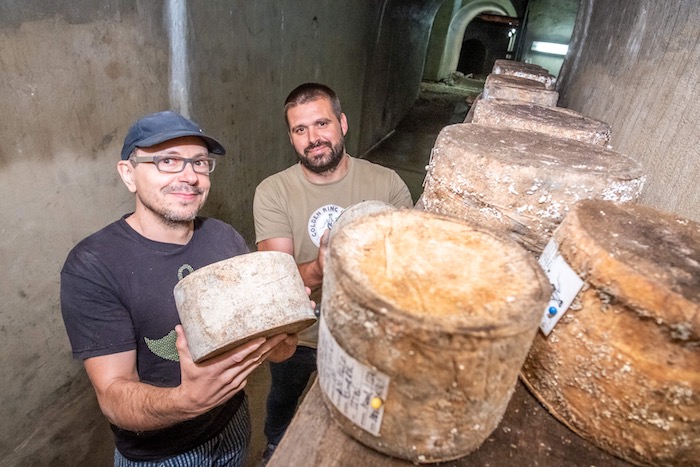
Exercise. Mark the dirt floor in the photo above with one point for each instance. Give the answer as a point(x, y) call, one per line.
point(407, 149)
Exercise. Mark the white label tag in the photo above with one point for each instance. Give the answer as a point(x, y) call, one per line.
point(566, 285)
point(357, 391)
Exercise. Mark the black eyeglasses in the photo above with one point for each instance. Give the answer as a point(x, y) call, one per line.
point(175, 164)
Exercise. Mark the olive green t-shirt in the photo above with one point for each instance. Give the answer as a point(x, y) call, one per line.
point(288, 205)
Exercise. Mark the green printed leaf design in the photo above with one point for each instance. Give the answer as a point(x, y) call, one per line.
point(164, 347)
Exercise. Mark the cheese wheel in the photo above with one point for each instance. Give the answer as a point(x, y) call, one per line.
point(446, 311)
point(524, 70)
point(553, 121)
point(521, 183)
point(357, 210)
point(622, 366)
point(230, 302)
point(470, 113)
point(519, 89)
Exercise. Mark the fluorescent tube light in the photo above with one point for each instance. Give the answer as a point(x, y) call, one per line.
point(549, 48)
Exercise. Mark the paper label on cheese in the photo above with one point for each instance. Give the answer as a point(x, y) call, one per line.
point(356, 390)
point(566, 285)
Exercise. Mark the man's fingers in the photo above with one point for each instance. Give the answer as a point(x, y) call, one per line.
point(271, 345)
point(291, 339)
point(240, 371)
point(325, 237)
point(273, 341)
point(237, 354)
point(181, 342)
point(239, 380)
point(249, 353)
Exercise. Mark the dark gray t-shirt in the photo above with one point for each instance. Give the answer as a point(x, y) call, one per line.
point(117, 295)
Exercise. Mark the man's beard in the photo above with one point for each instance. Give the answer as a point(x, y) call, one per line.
point(326, 164)
point(173, 217)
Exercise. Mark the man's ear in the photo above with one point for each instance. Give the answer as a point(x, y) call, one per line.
point(126, 172)
point(343, 124)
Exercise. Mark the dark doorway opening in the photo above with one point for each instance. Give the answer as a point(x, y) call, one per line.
point(472, 57)
point(487, 38)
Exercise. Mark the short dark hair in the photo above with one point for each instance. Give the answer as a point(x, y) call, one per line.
point(308, 92)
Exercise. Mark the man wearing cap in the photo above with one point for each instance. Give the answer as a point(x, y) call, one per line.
point(119, 311)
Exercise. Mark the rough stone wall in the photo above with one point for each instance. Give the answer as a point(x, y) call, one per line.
point(75, 74)
point(635, 65)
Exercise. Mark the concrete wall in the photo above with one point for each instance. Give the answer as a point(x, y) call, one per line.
point(75, 74)
point(548, 21)
point(636, 66)
point(396, 57)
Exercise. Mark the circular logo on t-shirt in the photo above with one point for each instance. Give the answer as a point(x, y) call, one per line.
point(321, 220)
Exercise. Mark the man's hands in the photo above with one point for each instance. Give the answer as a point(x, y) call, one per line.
point(212, 382)
point(284, 349)
point(136, 406)
point(312, 272)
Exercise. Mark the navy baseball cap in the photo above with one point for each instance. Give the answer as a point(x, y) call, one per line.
point(163, 126)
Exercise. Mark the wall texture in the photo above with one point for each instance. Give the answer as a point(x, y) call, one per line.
point(491, 38)
point(548, 21)
point(245, 60)
point(636, 65)
point(397, 52)
point(75, 74)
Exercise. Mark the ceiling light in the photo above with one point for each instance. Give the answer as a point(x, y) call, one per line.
point(549, 48)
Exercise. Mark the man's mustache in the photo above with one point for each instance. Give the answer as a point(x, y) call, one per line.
point(183, 189)
point(316, 145)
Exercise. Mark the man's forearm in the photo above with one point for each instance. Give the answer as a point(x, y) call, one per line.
point(137, 406)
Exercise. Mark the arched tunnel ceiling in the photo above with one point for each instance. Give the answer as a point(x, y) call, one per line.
point(459, 23)
point(448, 49)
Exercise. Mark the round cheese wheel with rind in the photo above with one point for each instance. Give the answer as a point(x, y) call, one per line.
point(622, 366)
point(519, 89)
point(553, 121)
point(524, 70)
point(227, 303)
point(521, 183)
point(446, 310)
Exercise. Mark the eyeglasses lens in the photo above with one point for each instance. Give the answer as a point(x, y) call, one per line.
point(177, 164)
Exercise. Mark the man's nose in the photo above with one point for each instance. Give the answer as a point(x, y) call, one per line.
point(188, 174)
point(312, 135)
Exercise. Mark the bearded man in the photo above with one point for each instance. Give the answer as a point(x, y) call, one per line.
point(293, 211)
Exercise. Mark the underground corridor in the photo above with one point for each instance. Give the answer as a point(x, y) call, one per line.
point(417, 79)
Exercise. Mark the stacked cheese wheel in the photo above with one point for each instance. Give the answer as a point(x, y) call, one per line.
point(622, 367)
point(520, 162)
point(426, 322)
